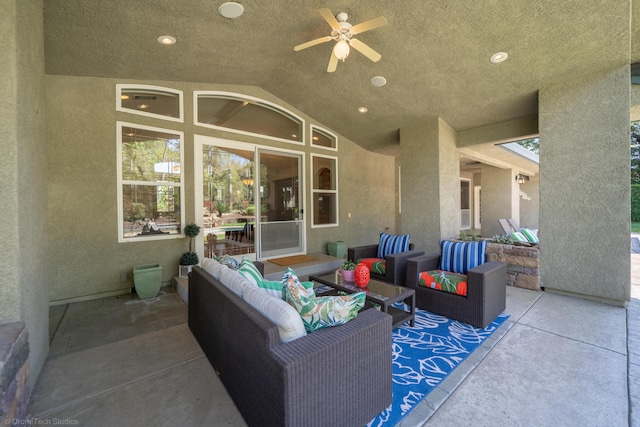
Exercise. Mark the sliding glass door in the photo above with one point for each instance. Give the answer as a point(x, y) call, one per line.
point(250, 198)
point(281, 222)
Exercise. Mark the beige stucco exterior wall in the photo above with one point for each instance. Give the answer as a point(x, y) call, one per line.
point(23, 291)
point(430, 183)
point(584, 186)
point(530, 207)
point(499, 198)
point(86, 259)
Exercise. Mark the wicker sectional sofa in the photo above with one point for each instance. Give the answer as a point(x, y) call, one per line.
point(338, 376)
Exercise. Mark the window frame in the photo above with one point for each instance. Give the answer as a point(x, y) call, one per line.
point(251, 99)
point(121, 182)
point(314, 191)
point(329, 134)
point(119, 107)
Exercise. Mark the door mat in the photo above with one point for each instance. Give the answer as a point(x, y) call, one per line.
point(291, 260)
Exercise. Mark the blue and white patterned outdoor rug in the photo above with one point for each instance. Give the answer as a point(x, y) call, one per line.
point(424, 355)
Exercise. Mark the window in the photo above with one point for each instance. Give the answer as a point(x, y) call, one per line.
point(465, 204)
point(250, 116)
point(325, 191)
point(150, 176)
point(151, 101)
point(323, 138)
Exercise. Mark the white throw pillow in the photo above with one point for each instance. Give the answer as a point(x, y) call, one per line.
point(234, 281)
point(212, 267)
point(285, 317)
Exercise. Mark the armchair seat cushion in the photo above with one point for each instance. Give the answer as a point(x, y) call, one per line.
point(444, 281)
point(375, 265)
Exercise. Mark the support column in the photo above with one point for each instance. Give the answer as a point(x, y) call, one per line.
point(585, 187)
point(430, 183)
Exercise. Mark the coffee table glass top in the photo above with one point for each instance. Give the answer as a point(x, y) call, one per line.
point(375, 288)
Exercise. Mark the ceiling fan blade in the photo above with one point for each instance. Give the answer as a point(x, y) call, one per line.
point(333, 63)
point(365, 50)
point(312, 43)
point(371, 24)
point(331, 20)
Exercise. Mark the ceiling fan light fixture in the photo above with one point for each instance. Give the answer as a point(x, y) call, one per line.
point(341, 49)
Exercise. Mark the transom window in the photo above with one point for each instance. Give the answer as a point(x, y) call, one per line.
point(150, 177)
point(152, 101)
point(252, 116)
point(323, 138)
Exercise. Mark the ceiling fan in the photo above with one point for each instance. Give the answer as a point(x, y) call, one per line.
point(342, 32)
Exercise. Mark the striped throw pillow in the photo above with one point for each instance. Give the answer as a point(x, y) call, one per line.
point(530, 235)
point(392, 244)
point(250, 272)
point(519, 237)
point(459, 257)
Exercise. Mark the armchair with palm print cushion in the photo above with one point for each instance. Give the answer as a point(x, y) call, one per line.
point(483, 294)
point(387, 260)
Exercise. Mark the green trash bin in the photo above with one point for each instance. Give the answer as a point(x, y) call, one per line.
point(337, 249)
point(147, 279)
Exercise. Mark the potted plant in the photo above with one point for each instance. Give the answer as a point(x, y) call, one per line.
point(347, 270)
point(189, 258)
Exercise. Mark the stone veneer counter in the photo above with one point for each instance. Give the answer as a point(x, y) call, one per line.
point(523, 264)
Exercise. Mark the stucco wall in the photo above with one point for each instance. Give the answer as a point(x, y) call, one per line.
point(584, 186)
point(430, 183)
point(497, 198)
point(530, 207)
point(23, 293)
point(86, 259)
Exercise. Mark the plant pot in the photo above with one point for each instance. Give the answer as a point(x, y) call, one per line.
point(184, 270)
point(147, 279)
point(347, 275)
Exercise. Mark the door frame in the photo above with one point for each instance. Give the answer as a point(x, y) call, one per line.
point(199, 141)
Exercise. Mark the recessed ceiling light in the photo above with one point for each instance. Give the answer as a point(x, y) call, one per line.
point(378, 81)
point(499, 57)
point(166, 40)
point(231, 10)
point(143, 106)
point(363, 109)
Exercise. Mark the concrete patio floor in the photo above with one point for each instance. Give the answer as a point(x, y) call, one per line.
point(558, 360)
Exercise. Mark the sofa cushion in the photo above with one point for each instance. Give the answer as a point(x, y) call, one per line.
point(212, 267)
point(459, 257)
point(285, 317)
point(392, 244)
point(234, 281)
point(375, 265)
point(321, 312)
point(444, 281)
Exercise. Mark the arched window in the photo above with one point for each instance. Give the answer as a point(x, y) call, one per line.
point(250, 116)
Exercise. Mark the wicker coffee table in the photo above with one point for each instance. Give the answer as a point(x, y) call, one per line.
point(380, 293)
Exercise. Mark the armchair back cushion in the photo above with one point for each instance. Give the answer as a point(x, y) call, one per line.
point(392, 244)
point(459, 257)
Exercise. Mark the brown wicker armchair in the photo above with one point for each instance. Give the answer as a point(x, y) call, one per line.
point(486, 292)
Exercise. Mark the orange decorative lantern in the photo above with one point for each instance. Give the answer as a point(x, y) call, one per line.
point(361, 275)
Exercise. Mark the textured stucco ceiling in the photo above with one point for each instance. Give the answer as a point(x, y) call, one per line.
point(435, 54)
